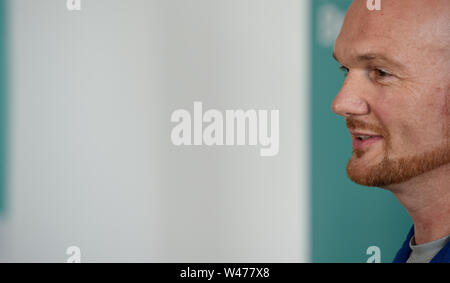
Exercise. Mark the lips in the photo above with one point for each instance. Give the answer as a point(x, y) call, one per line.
point(364, 140)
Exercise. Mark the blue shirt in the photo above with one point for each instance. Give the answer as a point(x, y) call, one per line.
point(402, 256)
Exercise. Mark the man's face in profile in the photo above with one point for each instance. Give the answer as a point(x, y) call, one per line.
point(396, 96)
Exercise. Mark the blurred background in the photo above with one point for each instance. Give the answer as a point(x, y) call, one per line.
point(85, 152)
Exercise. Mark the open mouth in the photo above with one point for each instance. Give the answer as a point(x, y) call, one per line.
point(363, 141)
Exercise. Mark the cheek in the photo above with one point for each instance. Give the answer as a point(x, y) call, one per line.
point(394, 118)
point(415, 116)
point(411, 125)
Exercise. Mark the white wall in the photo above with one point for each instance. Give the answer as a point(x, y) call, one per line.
point(91, 162)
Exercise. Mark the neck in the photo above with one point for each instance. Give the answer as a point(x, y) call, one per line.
point(427, 200)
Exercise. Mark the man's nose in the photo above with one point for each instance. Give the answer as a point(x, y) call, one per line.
point(350, 99)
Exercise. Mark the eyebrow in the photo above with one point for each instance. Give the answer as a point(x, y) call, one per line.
point(368, 57)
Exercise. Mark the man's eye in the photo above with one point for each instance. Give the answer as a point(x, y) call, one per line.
point(382, 73)
point(378, 74)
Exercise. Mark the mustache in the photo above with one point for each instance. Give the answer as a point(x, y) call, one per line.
point(353, 124)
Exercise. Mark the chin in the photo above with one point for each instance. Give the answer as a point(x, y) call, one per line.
point(389, 172)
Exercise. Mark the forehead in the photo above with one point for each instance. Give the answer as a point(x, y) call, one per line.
point(401, 29)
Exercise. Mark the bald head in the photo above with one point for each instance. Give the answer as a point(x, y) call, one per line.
point(423, 25)
point(426, 19)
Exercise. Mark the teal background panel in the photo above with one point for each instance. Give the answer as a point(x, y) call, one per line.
point(346, 218)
